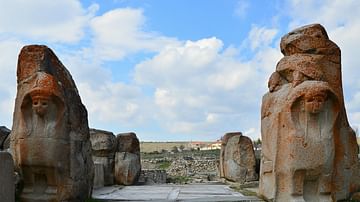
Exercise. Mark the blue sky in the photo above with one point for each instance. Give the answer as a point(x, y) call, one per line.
point(172, 70)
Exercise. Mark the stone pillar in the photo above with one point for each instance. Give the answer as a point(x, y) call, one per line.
point(127, 159)
point(224, 140)
point(50, 134)
point(103, 145)
point(309, 151)
point(238, 159)
point(99, 179)
point(7, 181)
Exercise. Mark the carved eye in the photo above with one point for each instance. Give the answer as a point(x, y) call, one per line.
point(36, 103)
point(44, 103)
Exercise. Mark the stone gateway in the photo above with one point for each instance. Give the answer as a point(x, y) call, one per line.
point(309, 151)
point(50, 134)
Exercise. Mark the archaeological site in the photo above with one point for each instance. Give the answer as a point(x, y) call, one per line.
point(308, 152)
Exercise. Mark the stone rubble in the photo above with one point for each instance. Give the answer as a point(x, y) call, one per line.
point(149, 177)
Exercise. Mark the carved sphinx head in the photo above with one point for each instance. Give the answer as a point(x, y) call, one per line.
point(43, 93)
point(314, 101)
point(40, 104)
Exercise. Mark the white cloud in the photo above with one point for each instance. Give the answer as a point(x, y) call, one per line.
point(261, 36)
point(202, 88)
point(9, 50)
point(43, 20)
point(112, 102)
point(164, 99)
point(241, 8)
point(121, 31)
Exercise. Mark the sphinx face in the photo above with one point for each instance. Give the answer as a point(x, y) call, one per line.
point(315, 104)
point(40, 106)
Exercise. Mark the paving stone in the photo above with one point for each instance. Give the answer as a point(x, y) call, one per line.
point(170, 192)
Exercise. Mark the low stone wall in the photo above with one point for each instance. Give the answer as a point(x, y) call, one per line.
point(152, 177)
point(191, 167)
point(197, 170)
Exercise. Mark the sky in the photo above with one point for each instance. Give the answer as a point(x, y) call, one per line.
point(173, 70)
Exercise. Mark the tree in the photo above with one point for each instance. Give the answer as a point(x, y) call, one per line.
point(257, 143)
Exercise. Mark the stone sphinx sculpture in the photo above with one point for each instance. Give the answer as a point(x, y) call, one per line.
point(50, 135)
point(237, 158)
point(309, 151)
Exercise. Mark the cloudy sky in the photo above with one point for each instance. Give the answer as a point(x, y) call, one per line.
point(172, 70)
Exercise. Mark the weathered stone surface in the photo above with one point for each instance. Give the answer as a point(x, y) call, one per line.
point(103, 145)
point(128, 142)
point(149, 177)
point(239, 161)
point(99, 179)
point(309, 151)
point(7, 180)
point(50, 134)
point(224, 140)
point(4, 134)
point(127, 159)
point(127, 168)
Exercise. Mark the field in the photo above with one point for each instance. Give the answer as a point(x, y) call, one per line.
point(147, 147)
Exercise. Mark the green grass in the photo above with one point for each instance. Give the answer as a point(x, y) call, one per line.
point(178, 179)
point(243, 191)
point(164, 165)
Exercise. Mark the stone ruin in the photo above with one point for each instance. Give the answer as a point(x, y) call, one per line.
point(127, 159)
point(116, 159)
point(237, 158)
point(4, 138)
point(103, 145)
point(309, 151)
point(150, 177)
point(50, 135)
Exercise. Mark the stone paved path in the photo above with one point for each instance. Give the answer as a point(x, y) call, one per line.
point(169, 192)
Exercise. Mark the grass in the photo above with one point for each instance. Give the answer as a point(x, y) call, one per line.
point(243, 191)
point(164, 165)
point(178, 179)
